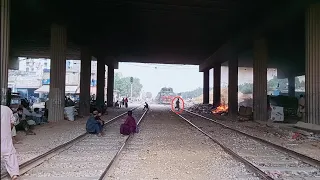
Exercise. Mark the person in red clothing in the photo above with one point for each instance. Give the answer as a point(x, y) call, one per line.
point(126, 102)
point(129, 126)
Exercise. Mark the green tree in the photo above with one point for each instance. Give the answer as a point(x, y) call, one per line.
point(192, 94)
point(246, 88)
point(275, 83)
point(123, 84)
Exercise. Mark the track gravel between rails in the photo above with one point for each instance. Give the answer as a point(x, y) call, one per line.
point(277, 164)
point(168, 148)
point(85, 158)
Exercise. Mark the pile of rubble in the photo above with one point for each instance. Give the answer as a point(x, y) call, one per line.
point(201, 108)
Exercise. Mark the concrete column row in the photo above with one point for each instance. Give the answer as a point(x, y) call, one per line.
point(291, 86)
point(57, 72)
point(313, 64)
point(85, 80)
point(260, 80)
point(110, 85)
point(5, 40)
point(101, 70)
point(217, 85)
point(233, 86)
point(206, 87)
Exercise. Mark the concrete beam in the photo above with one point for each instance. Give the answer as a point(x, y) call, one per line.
point(101, 79)
point(206, 87)
point(278, 18)
point(233, 87)
point(85, 79)
point(217, 85)
point(110, 85)
point(260, 110)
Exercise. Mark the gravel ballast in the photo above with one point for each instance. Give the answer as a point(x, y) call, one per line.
point(168, 148)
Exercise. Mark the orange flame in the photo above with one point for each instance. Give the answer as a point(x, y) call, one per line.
point(220, 109)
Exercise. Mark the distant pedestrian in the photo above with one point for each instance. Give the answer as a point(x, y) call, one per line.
point(178, 104)
point(146, 106)
point(8, 152)
point(126, 102)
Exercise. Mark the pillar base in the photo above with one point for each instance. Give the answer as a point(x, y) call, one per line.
point(56, 105)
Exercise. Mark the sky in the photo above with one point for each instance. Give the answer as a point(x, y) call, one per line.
point(155, 76)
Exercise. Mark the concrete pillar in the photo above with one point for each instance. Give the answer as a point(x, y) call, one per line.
point(101, 69)
point(260, 80)
point(85, 79)
point(110, 85)
point(292, 86)
point(206, 87)
point(57, 72)
point(5, 40)
point(233, 86)
point(313, 64)
point(217, 85)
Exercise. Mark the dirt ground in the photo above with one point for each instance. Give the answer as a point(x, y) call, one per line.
point(168, 148)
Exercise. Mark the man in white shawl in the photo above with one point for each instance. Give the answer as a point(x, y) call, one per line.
point(8, 152)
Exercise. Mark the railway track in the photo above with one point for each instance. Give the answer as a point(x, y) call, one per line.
point(265, 159)
point(85, 157)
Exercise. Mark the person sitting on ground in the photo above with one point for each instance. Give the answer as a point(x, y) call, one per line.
point(95, 124)
point(14, 131)
point(37, 116)
point(21, 123)
point(116, 104)
point(70, 102)
point(27, 115)
point(146, 106)
point(129, 126)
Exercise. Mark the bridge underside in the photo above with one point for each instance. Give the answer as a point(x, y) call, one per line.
point(207, 33)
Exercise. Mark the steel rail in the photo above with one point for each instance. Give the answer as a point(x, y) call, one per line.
point(254, 169)
point(60, 147)
point(294, 154)
point(120, 150)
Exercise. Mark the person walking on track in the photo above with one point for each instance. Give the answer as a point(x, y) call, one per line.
point(8, 152)
point(178, 104)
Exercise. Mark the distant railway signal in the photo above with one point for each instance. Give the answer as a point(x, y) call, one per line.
point(131, 79)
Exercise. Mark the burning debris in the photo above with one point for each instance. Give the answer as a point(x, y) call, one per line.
point(221, 110)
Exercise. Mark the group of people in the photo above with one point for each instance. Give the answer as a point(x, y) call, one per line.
point(95, 124)
point(124, 103)
point(11, 122)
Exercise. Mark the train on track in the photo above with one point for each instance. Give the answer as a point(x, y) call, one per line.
point(165, 96)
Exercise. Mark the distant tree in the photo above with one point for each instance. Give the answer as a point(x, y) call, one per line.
point(192, 94)
point(298, 83)
point(275, 83)
point(246, 88)
point(148, 95)
point(123, 84)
